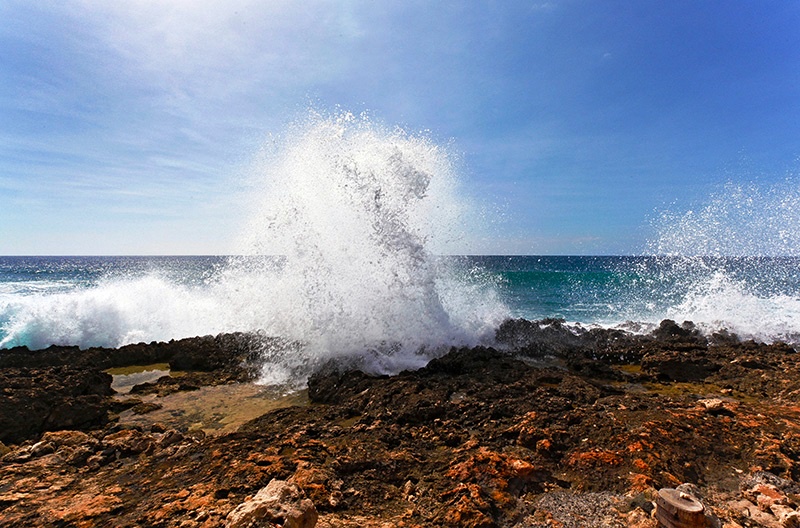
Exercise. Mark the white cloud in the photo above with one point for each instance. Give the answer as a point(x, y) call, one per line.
point(184, 44)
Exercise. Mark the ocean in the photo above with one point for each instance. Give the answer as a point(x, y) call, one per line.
point(361, 215)
point(112, 301)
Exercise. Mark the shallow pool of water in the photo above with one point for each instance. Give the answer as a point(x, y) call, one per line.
point(126, 377)
point(214, 410)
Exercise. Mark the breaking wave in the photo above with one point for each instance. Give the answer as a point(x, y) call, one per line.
point(733, 263)
point(340, 256)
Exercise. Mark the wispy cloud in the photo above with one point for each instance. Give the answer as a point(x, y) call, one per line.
point(109, 108)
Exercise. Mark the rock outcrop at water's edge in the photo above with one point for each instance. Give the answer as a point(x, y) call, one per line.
point(552, 427)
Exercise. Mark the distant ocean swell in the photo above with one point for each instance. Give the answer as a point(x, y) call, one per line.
point(359, 214)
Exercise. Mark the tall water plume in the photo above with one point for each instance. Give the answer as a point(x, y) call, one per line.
point(347, 222)
point(340, 259)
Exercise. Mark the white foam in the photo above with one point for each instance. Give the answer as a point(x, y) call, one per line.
point(112, 313)
point(728, 257)
point(357, 213)
point(720, 302)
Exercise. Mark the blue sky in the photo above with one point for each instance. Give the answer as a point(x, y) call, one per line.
point(126, 127)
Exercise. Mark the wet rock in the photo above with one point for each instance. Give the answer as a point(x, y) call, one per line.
point(686, 364)
point(224, 351)
point(146, 407)
point(549, 337)
point(669, 330)
point(280, 502)
point(229, 352)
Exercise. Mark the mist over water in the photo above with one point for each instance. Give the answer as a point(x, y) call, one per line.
point(339, 259)
point(342, 259)
point(357, 213)
point(733, 262)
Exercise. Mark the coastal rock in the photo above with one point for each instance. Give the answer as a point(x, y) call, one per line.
point(237, 354)
point(34, 400)
point(480, 437)
point(280, 502)
point(685, 363)
point(128, 442)
point(668, 330)
point(787, 517)
point(549, 337)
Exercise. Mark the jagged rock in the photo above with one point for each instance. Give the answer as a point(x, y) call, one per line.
point(67, 438)
point(476, 438)
point(684, 364)
point(280, 502)
point(128, 442)
point(169, 437)
point(669, 330)
point(787, 517)
point(35, 400)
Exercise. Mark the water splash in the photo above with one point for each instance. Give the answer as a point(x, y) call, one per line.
point(738, 221)
point(339, 259)
point(110, 313)
point(734, 262)
point(357, 213)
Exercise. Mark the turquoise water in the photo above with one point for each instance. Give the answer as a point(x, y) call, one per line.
point(732, 292)
point(110, 301)
point(359, 212)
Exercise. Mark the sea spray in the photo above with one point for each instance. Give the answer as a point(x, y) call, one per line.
point(739, 220)
point(341, 259)
point(733, 262)
point(110, 312)
point(352, 214)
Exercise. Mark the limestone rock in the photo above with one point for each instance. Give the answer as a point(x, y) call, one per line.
point(280, 502)
point(788, 517)
point(128, 442)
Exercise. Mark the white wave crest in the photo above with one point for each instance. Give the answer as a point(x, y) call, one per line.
point(735, 259)
point(112, 313)
point(721, 302)
point(340, 256)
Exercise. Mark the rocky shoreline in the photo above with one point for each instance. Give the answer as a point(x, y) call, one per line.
point(549, 428)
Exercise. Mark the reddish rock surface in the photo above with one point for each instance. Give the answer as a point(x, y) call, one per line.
point(560, 429)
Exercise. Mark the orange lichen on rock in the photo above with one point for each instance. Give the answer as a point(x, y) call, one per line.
point(593, 457)
point(639, 482)
point(469, 509)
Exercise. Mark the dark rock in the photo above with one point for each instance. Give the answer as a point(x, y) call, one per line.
point(549, 337)
point(146, 407)
point(669, 330)
point(35, 400)
point(677, 367)
point(476, 438)
point(237, 353)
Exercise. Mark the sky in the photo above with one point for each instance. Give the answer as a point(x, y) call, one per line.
point(128, 127)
